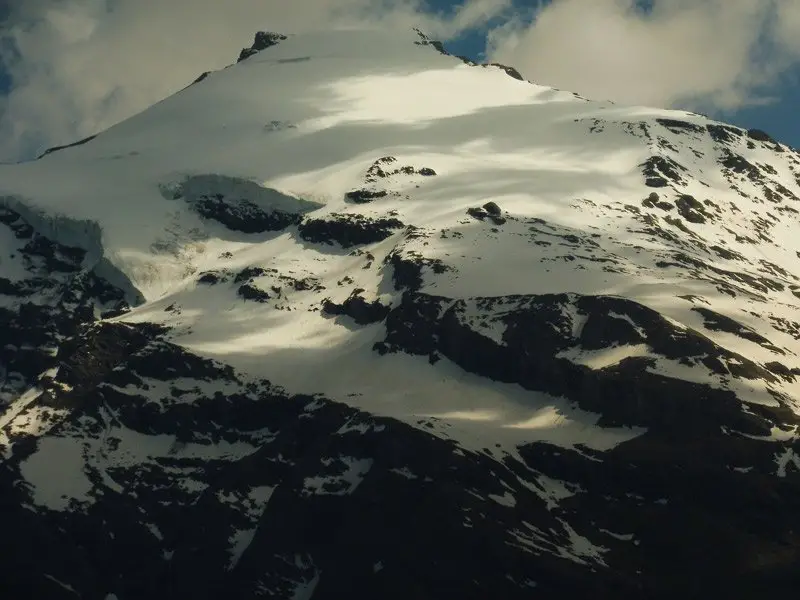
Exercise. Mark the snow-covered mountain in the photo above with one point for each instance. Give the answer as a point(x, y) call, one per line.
point(354, 318)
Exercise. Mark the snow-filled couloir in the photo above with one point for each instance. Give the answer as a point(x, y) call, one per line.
point(357, 317)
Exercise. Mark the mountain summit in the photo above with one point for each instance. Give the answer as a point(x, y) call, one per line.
point(355, 318)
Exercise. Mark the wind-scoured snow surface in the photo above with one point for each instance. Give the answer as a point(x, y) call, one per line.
point(357, 318)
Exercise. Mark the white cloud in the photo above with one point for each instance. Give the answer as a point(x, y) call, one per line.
point(79, 66)
point(716, 55)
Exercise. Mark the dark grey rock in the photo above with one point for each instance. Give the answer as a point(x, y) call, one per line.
point(64, 147)
point(348, 230)
point(690, 209)
point(660, 171)
point(678, 126)
point(493, 209)
point(364, 196)
point(262, 41)
point(361, 311)
point(243, 215)
point(758, 135)
point(211, 277)
point(723, 133)
point(477, 213)
point(249, 291)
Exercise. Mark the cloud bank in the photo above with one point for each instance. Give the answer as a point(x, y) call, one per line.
point(80, 66)
point(714, 55)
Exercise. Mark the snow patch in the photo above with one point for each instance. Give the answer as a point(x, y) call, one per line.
point(254, 506)
point(339, 485)
point(55, 472)
point(507, 499)
point(789, 457)
point(607, 357)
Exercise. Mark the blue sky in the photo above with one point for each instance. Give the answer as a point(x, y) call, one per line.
point(5, 80)
point(70, 68)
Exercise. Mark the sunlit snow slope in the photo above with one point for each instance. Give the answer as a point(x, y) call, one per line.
point(424, 286)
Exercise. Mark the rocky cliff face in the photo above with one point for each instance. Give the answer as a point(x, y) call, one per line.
point(295, 359)
point(262, 41)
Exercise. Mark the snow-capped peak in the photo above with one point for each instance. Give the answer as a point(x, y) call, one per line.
point(352, 271)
